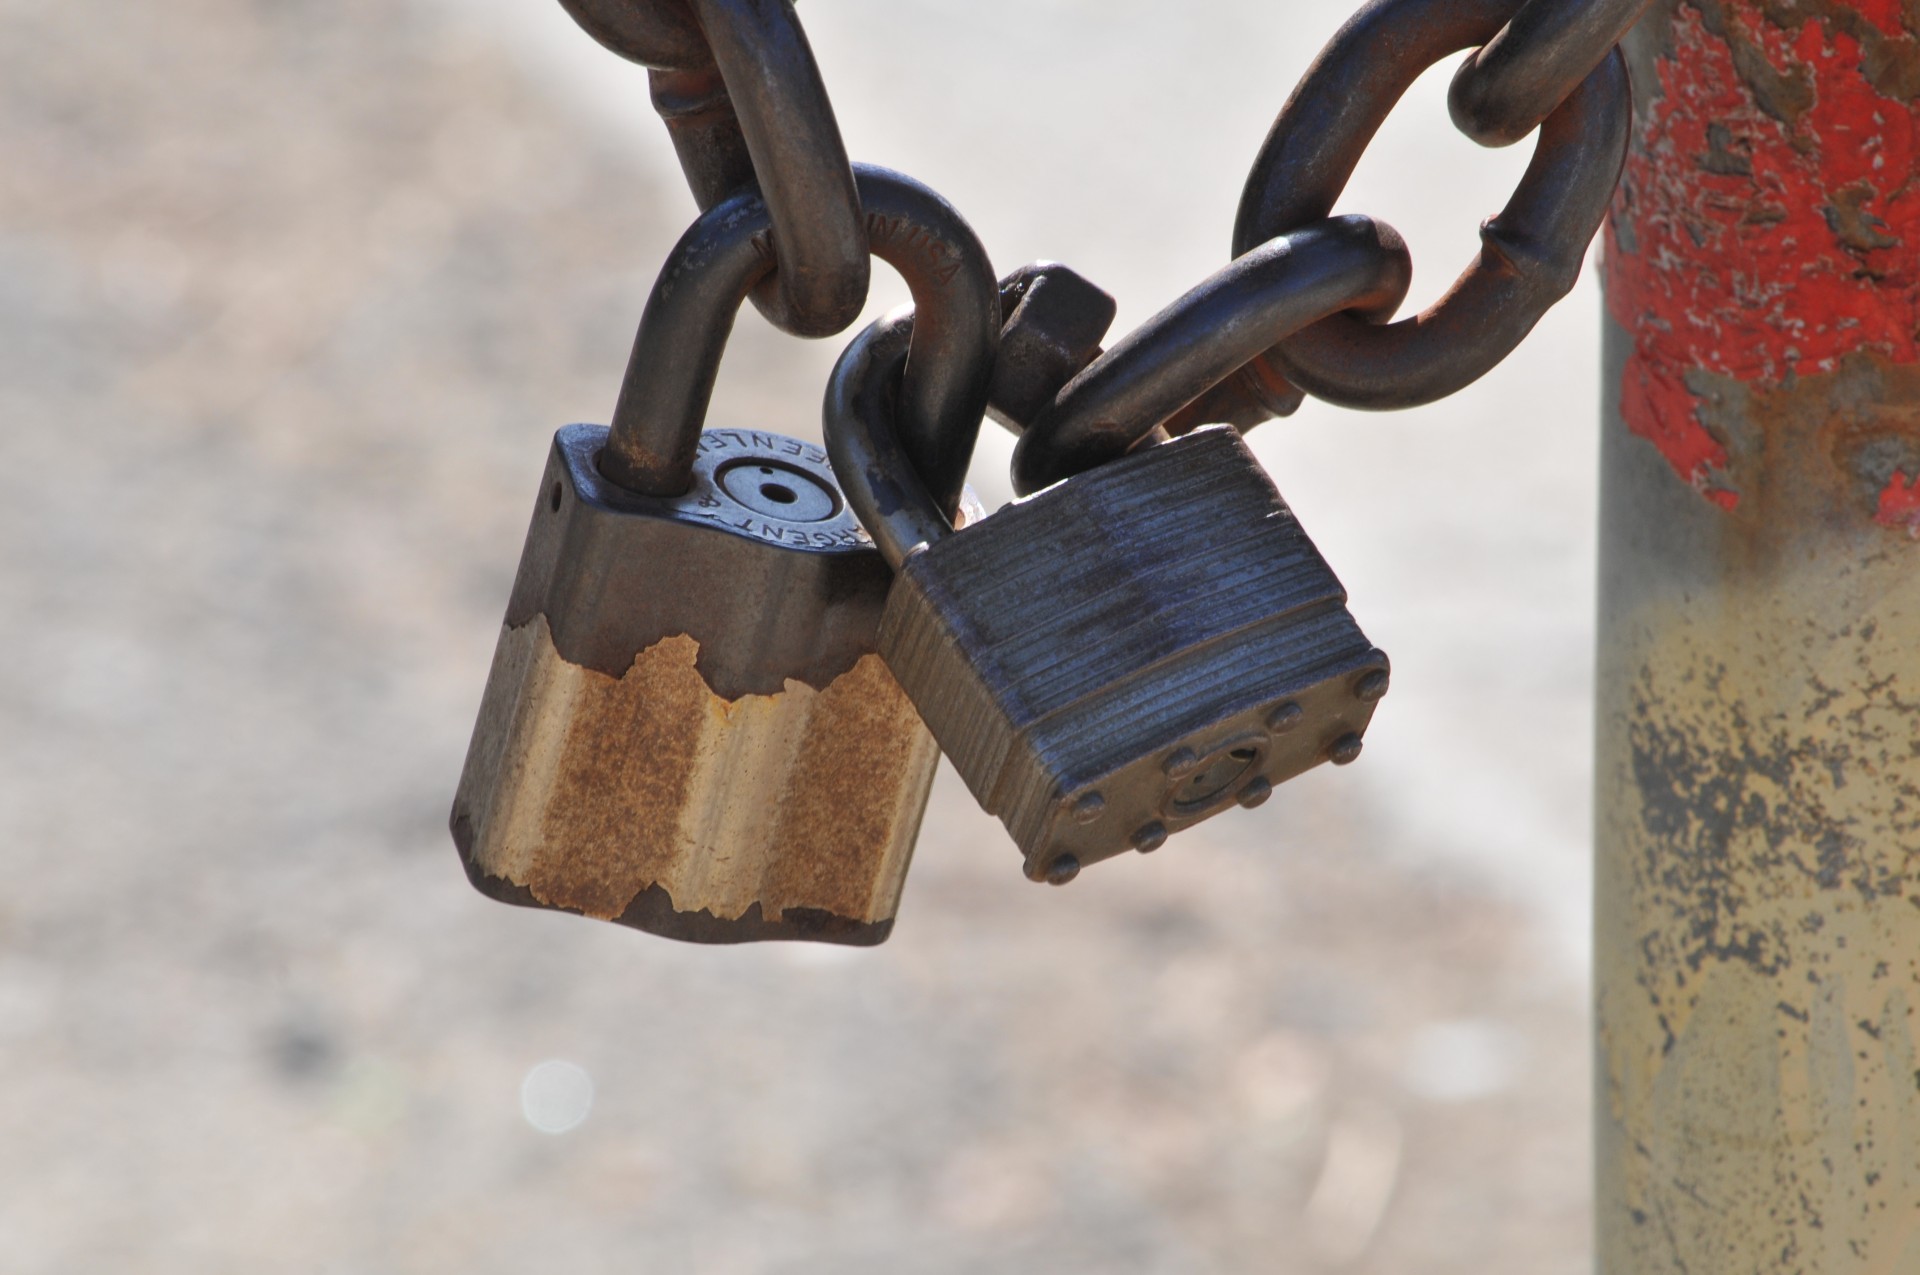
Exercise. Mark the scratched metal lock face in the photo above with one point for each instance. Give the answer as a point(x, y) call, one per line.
point(687, 727)
point(1179, 648)
point(1121, 655)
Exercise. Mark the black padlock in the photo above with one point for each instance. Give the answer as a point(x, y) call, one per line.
point(1124, 653)
point(686, 728)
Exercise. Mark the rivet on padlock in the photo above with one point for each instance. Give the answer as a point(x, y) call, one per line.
point(1152, 640)
point(687, 728)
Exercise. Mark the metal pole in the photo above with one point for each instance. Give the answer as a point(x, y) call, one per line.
point(1758, 772)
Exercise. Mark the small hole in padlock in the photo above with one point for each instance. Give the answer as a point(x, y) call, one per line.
point(776, 490)
point(553, 498)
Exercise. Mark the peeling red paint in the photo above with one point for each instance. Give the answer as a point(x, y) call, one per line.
point(1763, 225)
point(1884, 14)
point(1900, 504)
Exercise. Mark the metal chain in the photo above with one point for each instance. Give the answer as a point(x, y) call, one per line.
point(669, 380)
point(1513, 82)
point(658, 33)
point(1532, 250)
point(1304, 305)
point(742, 97)
point(1349, 264)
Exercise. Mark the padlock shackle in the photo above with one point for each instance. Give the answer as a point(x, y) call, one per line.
point(1347, 263)
point(869, 457)
point(690, 314)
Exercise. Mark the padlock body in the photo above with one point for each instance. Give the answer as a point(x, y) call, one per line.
point(687, 728)
point(1131, 651)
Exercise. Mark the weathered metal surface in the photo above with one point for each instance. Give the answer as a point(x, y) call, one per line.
point(705, 131)
point(690, 314)
point(656, 33)
point(1506, 87)
point(1532, 249)
point(686, 728)
point(1178, 647)
point(1055, 319)
point(798, 162)
point(1253, 395)
point(636, 799)
point(768, 572)
point(1758, 770)
point(1345, 264)
point(738, 88)
point(1771, 181)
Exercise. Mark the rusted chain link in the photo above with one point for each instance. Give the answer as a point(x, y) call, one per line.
point(1507, 87)
point(742, 97)
point(1532, 250)
point(872, 464)
point(799, 161)
point(1348, 263)
point(660, 33)
point(669, 380)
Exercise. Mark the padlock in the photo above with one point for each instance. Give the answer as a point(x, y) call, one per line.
point(687, 728)
point(1118, 656)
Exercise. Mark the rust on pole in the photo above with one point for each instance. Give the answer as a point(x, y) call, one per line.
point(1758, 770)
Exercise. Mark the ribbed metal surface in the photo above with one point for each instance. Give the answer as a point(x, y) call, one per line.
point(1063, 649)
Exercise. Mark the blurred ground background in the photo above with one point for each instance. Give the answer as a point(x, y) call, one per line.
point(292, 296)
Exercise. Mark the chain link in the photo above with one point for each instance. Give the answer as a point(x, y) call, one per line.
point(1532, 250)
point(1507, 87)
point(742, 97)
point(798, 160)
point(676, 354)
point(658, 33)
point(1346, 264)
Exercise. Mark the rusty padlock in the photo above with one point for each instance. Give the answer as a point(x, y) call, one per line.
point(1135, 648)
point(686, 728)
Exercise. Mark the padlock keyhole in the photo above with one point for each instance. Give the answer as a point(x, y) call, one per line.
point(1215, 777)
point(774, 489)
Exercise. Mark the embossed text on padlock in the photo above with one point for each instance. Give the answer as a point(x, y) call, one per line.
point(687, 728)
point(1120, 655)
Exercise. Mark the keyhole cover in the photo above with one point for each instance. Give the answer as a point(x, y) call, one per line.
point(775, 490)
